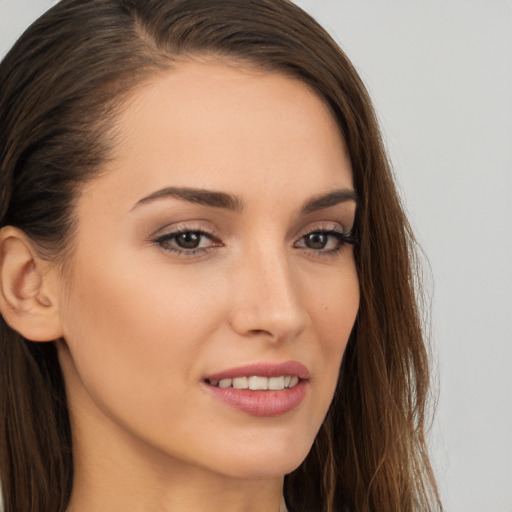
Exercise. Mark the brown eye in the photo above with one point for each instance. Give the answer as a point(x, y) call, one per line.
point(325, 241)
point(317, 241)
point(189, 240)
point(187, 243)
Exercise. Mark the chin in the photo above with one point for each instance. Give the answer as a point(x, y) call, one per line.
point(264, 462)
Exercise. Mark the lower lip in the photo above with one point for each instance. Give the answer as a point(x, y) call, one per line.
point(262, 403)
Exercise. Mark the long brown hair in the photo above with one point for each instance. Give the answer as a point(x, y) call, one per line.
point(61, 86)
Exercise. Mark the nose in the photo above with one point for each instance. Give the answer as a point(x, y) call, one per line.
point(266, 297)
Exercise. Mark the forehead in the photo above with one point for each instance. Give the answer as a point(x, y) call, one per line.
point(217, 125)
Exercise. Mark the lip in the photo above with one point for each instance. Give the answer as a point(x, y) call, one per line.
point(262, 403)
point(263, 370)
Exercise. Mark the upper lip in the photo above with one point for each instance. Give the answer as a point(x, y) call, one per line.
point(293, 368)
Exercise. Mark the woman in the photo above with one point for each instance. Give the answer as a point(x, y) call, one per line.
point(206, 285)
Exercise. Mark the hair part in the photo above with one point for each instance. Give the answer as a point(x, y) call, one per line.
point(61, 87)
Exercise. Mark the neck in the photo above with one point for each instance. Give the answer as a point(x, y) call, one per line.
point(115, 473)
point(239, 496)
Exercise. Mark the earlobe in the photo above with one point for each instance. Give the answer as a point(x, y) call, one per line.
point(26, 302)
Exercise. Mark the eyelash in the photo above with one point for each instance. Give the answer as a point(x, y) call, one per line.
point(164, 241)
point(341, 237)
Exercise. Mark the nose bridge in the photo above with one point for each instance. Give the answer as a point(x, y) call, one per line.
point(268, 299)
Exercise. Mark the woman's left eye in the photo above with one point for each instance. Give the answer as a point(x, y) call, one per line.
point(326, 241)
point(186, 241)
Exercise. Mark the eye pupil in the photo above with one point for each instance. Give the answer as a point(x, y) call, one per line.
point(189, 240)
point(316, 240)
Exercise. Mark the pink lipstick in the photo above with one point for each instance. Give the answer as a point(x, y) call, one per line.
point(261, 389)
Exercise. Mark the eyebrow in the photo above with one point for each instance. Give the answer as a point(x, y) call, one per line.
point(198, 196)
point(234, 203)
point(329, 199)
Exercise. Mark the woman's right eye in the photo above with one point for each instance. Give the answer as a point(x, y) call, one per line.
point(187, 242)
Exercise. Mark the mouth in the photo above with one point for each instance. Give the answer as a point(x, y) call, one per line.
point(261, 389)
point(257, 383)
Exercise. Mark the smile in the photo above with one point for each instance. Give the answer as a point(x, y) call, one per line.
point(256, 382)
point(261, 389)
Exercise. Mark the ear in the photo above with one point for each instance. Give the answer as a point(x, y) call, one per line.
point(27, 302)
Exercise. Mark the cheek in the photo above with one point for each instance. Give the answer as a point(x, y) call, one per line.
point(130, 332)
point(335, 304)
point(333, 313)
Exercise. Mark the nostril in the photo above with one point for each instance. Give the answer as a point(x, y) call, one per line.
point(260, 332)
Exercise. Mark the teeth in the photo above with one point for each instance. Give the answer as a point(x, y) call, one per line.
point(225, 383)
point(257, 383)
point(240, 383)
point(276, 383)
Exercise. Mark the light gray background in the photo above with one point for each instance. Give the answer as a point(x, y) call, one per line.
point(440, 73)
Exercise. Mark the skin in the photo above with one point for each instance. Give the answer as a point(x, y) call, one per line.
point(143, 326)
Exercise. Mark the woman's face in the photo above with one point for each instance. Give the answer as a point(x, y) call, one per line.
point(212, 255)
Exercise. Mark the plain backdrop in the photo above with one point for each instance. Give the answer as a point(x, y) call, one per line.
point(440, 74)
